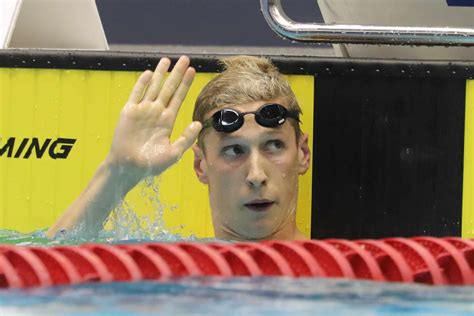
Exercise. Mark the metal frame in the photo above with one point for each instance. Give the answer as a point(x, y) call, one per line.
point(362, 34)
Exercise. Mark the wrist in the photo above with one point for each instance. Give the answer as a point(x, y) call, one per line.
point(122, 177)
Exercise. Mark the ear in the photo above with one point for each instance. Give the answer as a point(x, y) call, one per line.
point(200, 165)
point(304, 155)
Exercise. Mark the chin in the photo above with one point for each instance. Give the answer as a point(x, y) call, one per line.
point(260, 232)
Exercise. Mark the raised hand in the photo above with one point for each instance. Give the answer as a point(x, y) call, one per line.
point(141, 145)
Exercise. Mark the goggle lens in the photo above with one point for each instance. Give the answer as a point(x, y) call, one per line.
point(268, 115)
point(271, 115)
point(228, 117)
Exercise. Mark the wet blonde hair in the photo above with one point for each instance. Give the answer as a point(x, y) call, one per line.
point(245, 79)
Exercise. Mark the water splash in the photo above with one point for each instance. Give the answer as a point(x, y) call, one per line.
point(37, 237)
point(123, 225)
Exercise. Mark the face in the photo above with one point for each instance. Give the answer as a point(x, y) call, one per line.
point(252, 176)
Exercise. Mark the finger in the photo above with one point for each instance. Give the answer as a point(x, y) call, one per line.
point(187, 138)
point(173, 81)
point(140, 86)
point(180, 94)
point(155, 84)
point(182, 90)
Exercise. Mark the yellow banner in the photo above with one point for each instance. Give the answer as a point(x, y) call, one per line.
point(468, 177)
point(56, 127)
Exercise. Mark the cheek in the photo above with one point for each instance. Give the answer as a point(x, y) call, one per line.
point(285, 174)
point(222, 179)
point(286, 164)
point(224, 192)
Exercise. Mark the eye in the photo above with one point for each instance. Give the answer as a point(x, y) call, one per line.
point(274, 145)
point(233, 151)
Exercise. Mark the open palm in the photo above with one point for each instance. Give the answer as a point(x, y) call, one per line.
point(141, 143)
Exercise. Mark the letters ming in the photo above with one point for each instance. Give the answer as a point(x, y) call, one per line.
point(24, 148)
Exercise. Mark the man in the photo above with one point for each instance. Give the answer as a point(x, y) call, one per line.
point(250, 149)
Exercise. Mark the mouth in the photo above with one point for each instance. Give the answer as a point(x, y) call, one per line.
point(259, 205)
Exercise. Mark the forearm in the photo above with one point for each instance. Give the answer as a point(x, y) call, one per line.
point(88, 212)
point(141, 146)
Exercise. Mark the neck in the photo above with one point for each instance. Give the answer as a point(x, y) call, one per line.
point(289, 232)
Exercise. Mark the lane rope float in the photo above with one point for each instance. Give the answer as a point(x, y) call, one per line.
point(428, 260)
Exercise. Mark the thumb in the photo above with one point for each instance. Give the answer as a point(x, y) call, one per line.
point(187, 138)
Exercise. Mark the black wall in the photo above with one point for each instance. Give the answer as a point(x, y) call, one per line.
point(388, 157)
point(197, 22)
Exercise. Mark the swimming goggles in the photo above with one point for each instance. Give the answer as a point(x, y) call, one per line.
point(268, 115)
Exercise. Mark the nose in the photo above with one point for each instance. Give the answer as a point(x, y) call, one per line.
point(256, 176)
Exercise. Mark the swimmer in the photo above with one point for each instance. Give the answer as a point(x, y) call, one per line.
point(248, 149)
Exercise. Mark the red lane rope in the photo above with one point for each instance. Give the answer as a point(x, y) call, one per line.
point(89, 265)
point(424, 266)
point(301, 261)
point(152, 266)
point(240, 262)
point(270, 261)
point(429, 260)
point(333, 262)
point(27, 266)
point(394, 267)
point(363, 263)
point(454, 265)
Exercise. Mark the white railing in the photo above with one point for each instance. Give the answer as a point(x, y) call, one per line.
point(362, 34)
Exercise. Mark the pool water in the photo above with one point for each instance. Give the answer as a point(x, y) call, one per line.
point(241, 296)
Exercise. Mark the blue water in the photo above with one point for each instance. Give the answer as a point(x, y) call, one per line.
point(241, 296)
